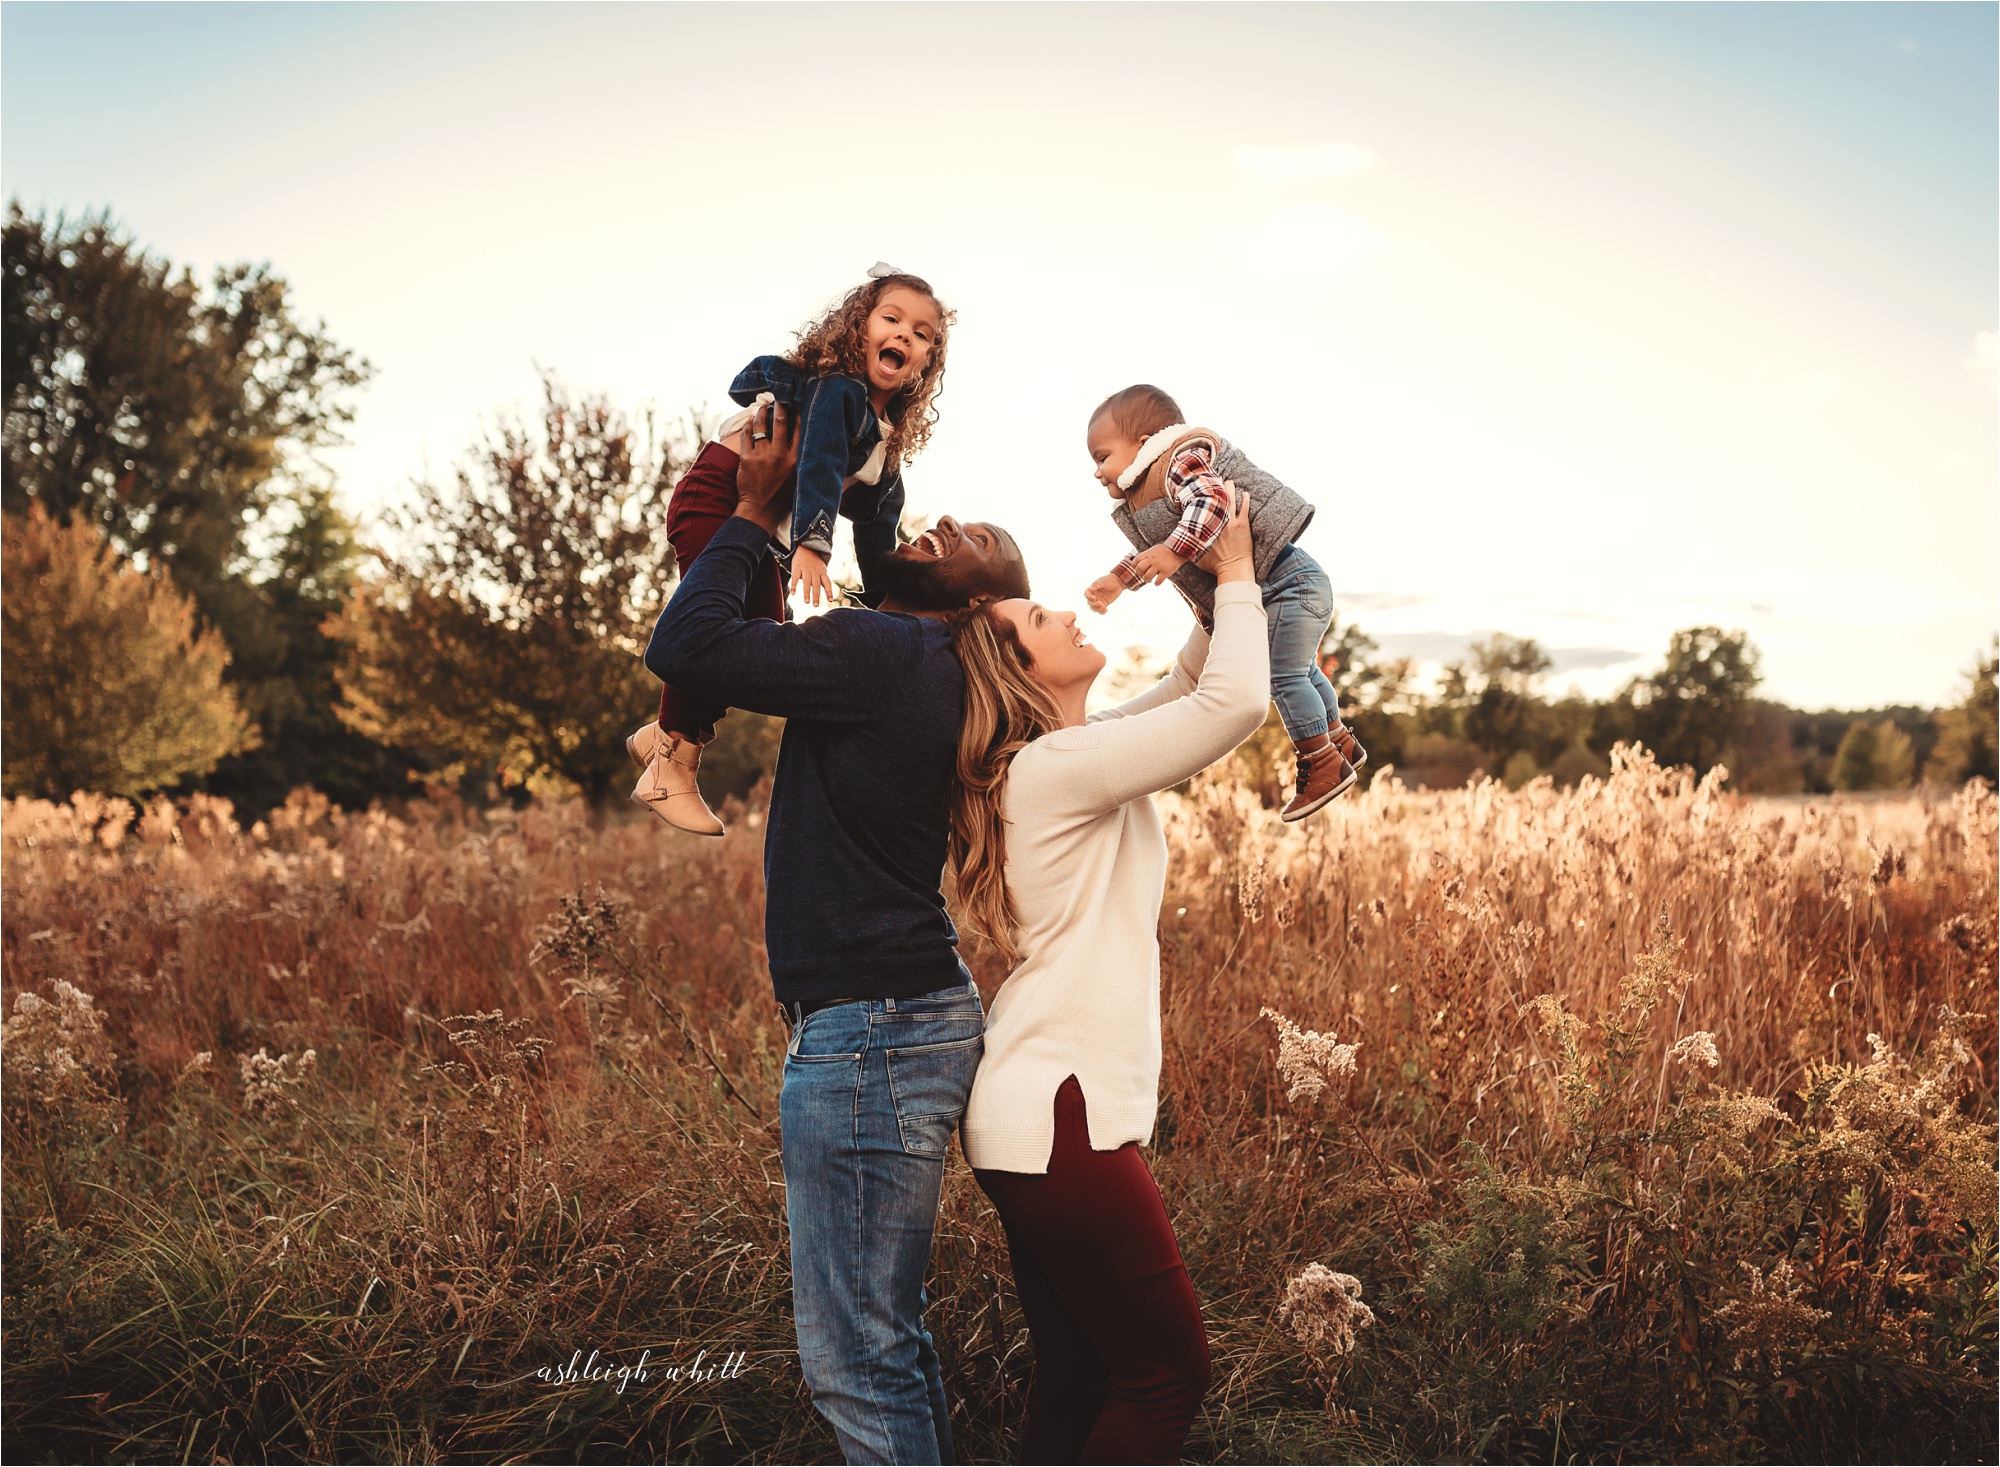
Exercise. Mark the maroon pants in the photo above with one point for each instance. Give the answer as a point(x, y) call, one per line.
point(1121, 1359)
point(703, 499)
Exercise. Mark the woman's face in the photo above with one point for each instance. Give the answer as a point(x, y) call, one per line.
point(1060, 654)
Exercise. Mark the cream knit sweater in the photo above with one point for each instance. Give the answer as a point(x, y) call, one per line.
point(1087, 866)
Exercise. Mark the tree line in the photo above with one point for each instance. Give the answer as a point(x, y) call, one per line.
point(186, 605)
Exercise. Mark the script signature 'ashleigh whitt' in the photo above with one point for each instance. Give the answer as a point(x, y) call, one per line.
point(578, 1368)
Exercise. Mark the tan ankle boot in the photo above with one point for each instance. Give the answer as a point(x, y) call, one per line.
point(1323, 773)
point(667, 788)
point(645, 741)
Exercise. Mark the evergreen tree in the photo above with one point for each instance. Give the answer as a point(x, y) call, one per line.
point(1968, 741)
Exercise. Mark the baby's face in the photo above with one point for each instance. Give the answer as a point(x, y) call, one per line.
point(901, 331)
point(1111, 453)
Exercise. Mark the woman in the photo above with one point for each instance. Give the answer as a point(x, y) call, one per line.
point(1062, 863)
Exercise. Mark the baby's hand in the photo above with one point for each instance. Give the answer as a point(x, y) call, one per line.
point(1158, 564)
point(809, 574)
point(1100, 593)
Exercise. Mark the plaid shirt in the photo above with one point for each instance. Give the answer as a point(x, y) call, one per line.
point(1204, 502)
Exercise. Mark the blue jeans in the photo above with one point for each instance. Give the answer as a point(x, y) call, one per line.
point(1298, 606)
point(873, 1091)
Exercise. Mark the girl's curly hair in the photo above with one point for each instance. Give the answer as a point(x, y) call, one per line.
point(837, 342)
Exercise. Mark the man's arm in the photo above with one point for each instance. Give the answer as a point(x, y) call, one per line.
point(831, 667)
point(838, 667)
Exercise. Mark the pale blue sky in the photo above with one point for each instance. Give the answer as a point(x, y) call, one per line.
point(1598, 320)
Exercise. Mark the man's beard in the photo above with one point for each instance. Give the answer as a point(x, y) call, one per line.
point(920, 585)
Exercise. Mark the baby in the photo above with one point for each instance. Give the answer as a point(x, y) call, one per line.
point(1173, 486)
point(861, 385)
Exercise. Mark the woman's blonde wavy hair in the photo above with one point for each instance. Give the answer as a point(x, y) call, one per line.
point(838, 342)
point(1006, 709)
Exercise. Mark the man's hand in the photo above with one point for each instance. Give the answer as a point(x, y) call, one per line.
point(1157, 565)
point(768, 458)
point(1100, 593)
point(809, 576)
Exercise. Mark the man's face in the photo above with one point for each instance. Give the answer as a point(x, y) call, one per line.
point(951, 566)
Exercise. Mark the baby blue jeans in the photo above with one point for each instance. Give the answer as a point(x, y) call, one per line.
point(1298, 607)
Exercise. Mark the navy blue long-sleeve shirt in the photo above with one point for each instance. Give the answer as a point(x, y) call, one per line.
point(855, 848)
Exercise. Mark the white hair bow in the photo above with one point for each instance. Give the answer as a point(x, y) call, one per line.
point(882, 269)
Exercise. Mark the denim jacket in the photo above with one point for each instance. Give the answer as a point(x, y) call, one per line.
point(837, 432)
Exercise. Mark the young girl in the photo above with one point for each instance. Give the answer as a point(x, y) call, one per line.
point(861, 385)
point(1171, 483)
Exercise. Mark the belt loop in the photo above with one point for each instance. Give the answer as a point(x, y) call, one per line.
point(891, 1003)
point(794, 1016)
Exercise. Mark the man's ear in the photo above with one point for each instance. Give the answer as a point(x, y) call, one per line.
point(982, 598)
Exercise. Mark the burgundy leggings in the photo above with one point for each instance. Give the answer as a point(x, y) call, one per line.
point(1121, 1359)
point(703, 499)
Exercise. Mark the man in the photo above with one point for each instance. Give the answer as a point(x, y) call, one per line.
point(886, 1025)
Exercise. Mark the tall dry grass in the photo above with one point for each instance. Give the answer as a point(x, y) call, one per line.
point(318, 1133)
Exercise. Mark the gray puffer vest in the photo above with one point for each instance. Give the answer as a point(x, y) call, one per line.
point(1278, 514)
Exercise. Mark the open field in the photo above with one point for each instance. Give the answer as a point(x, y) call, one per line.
point(366, 1114)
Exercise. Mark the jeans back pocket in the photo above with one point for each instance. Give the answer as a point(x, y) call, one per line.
point(929, 1085)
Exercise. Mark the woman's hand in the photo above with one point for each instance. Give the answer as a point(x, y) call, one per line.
point(1230, 558)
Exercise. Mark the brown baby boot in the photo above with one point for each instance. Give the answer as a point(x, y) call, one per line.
point(1323, 773)
point(667, 787)
point(1349, 746)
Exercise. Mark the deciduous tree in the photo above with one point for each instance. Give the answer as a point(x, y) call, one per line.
point(508, 627)
point(1695, 708)
point(110, 684)
point(184, 421)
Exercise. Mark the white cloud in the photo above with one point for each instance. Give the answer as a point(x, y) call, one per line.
point(1290, 165)
point(1307, 239)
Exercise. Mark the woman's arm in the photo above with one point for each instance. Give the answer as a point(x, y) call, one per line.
point(1180, 680)
point(1185, 675)
point(1144, 752)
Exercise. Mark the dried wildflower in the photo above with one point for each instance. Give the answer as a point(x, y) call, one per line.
point(1697, 1049)
point(267, 1082)
point(58, 1057)
point(1308, 1060)
point(1573, 1083)
point(1771, 1322)
point(1323, 1309)
point(1739, 1115)
point(1889, 864)
point(1250, 887)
